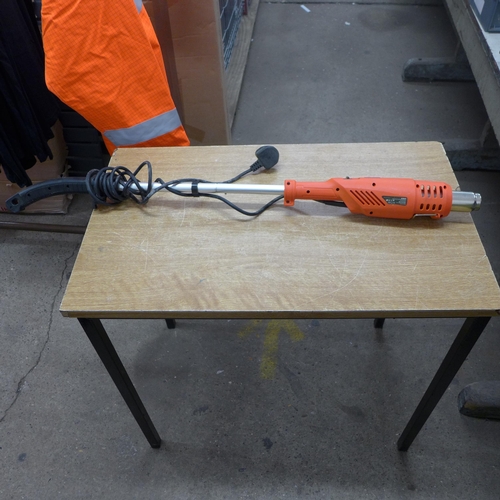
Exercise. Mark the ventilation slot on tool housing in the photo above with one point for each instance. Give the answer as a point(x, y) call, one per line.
point(431, 196)
point(367, 198)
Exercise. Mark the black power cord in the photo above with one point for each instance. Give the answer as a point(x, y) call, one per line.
point(113, 185)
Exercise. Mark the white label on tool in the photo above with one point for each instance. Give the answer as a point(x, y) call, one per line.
point(395, 200)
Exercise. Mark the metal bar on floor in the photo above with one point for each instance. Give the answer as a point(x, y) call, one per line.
point(47, 228)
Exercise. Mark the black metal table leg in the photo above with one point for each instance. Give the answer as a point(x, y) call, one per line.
point(459, 350)
point(104, 348)
point(378, 323)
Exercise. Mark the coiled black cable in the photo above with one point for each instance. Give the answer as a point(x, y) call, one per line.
point(113, 185)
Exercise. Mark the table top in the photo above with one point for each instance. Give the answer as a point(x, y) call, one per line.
point(180, 257)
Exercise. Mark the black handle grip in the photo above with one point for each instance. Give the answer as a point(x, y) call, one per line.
point(37, 192)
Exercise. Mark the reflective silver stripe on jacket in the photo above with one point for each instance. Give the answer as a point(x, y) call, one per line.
point(146, 130)
point(138, 4)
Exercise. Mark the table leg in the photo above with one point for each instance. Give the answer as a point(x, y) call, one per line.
point(459, 350)
point(170, 323)
point(104, 348)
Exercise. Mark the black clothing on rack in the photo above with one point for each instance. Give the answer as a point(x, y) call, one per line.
point(28, 109)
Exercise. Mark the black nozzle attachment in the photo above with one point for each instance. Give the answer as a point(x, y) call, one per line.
point(267, 157)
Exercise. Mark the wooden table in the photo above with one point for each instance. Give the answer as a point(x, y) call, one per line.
point(197, 258)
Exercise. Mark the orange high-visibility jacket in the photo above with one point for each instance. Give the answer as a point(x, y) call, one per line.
point(102, 59)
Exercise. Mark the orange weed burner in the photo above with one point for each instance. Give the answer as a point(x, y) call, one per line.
point(391, 198)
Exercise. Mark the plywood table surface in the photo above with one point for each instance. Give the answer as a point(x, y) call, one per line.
point(182, 257)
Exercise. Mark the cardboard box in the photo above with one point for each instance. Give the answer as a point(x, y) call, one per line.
point(42, 171)
point(197, 42)
point(49, 169)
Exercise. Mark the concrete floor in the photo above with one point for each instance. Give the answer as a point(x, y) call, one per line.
point(325, 424)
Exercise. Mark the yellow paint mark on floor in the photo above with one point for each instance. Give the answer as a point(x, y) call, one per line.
point(269, 360)
point(249, 328)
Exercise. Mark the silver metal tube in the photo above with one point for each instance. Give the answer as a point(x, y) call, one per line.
point(214, 187)
point(465, 201)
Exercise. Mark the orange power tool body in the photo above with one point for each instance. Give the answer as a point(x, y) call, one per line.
point(376, 196)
